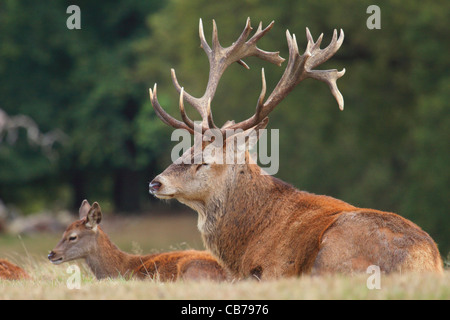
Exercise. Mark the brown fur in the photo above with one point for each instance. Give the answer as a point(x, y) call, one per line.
point(369, 237)
point(257, 225)
point(107, 260)
point(110, 261)
point(9, 271)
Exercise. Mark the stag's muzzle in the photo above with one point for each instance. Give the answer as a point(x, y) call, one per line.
point(154, 186)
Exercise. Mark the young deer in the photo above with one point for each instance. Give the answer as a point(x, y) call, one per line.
point(258, 225)
point(9, 271)
point(84, 239)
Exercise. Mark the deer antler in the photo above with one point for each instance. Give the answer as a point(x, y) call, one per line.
point(165, 117)
point(219, 59)
point(299, 67)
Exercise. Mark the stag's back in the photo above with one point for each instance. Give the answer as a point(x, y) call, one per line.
point(365, 237)
point(281, 231)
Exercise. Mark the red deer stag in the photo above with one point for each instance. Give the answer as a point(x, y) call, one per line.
point(84, 239)
point(257, 225)
point(9, 271)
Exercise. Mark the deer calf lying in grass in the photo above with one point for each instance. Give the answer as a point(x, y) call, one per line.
point(84, 239)
point(9, 271)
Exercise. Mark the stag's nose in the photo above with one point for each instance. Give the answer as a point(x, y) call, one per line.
point(154, 186)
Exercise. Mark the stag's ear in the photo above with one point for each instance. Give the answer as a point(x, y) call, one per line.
point(244, 141)
point(249, 136)
point(259, 126)
point(84, 209)
point(94, 216)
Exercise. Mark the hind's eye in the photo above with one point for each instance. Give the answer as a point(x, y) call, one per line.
point(73, 238)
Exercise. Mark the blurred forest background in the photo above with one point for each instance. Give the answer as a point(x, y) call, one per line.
point(98, 138)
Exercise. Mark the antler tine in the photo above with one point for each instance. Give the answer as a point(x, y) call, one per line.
point(184, 116)
point(188, 121)
point(272, 57)
point(242, 63)
point(309, 36)
point(295, 46)
point(260, 32)
point(315, 45)
point(215, 38)
point(164, 116)
point(156, 106)
point(203, 42)
point(195, 102)
point(322, 55)
point(260, 104)
point(211, 123)
point(330, 77)
point(244, 35)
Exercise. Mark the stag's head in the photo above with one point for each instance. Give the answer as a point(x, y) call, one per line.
point(220, 157)
point(80, 238)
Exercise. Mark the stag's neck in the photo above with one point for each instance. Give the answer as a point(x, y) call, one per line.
point(245, 208)
point(106, 260)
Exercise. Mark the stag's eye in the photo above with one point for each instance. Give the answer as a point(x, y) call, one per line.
point(73, 238)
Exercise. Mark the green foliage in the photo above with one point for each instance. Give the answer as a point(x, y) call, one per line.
point(80, 81)
point(387, 150)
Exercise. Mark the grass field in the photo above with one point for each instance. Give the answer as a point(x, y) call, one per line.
point(144, 235)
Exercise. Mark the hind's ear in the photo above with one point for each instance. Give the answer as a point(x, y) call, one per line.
point(94, 216)
point(84, 209)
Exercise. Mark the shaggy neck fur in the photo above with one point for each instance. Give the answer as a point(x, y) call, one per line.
point(241, 225)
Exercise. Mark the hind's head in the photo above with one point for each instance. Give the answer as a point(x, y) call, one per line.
point(80, 238)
